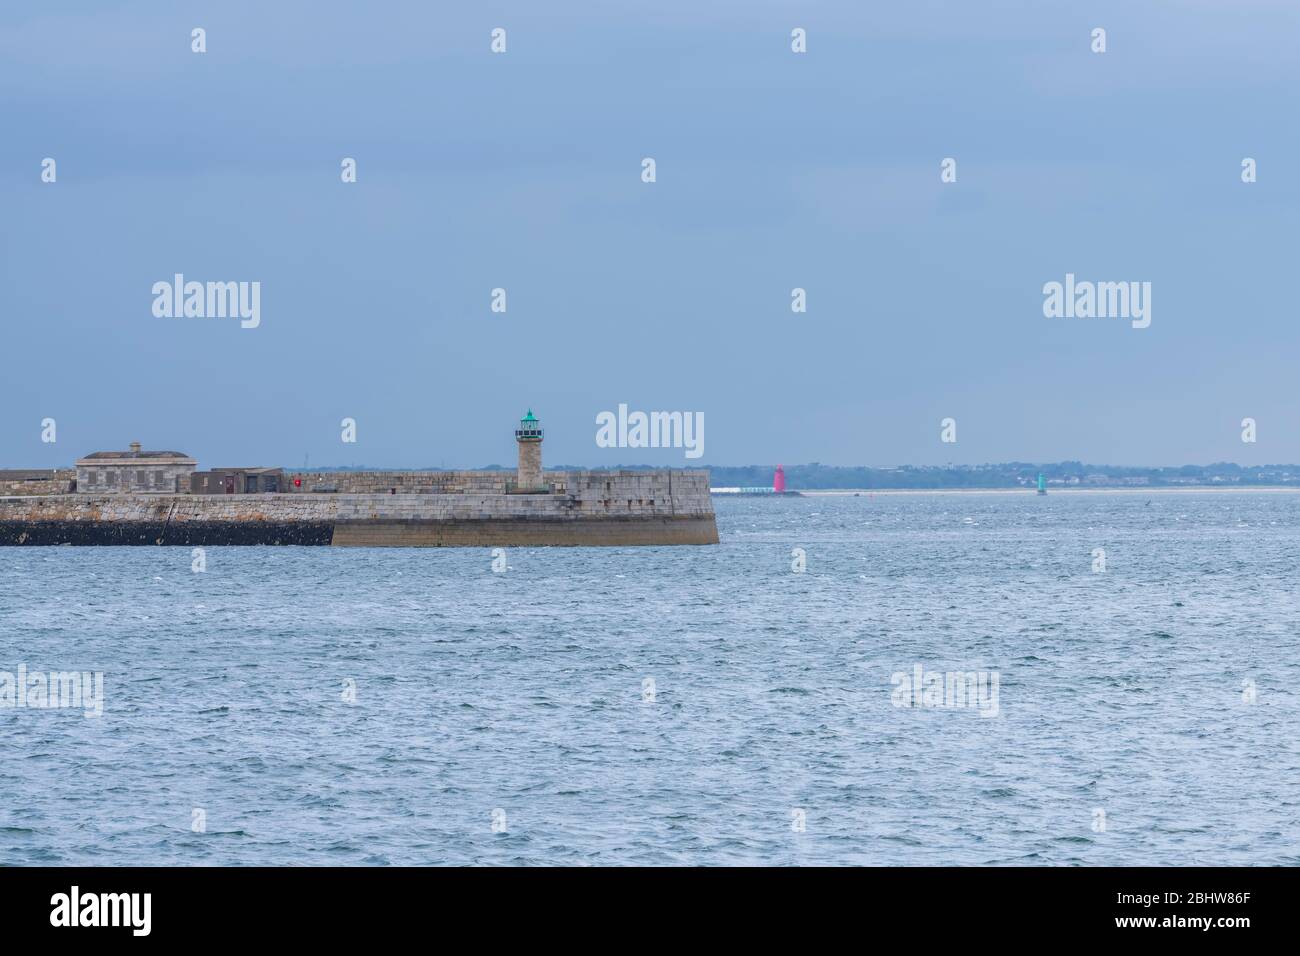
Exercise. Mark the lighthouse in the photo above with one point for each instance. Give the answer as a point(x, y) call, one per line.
point(529, 437)
point(778, 482)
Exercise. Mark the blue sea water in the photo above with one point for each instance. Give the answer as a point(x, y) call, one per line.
point(521, 698)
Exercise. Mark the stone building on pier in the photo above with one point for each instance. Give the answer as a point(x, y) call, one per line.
point(107, 472)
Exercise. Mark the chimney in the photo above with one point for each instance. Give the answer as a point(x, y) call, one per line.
point(135, 449)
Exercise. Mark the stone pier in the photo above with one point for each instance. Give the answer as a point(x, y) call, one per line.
point(581, 509)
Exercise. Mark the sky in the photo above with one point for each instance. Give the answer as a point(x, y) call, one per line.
point(775, 170)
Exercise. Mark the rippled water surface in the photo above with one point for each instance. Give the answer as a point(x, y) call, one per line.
point(524, 692)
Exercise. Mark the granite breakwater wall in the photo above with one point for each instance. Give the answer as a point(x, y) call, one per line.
point(595, 508)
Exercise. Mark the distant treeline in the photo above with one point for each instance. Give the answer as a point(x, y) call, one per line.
point(1007, 475)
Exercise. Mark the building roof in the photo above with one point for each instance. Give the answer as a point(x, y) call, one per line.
point(529, 417)
point(135, 454)
point(101, 456)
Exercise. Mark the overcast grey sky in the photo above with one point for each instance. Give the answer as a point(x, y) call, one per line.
point(775, 170)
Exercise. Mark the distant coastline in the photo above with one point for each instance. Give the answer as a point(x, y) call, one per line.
point(1011, 476)
point(1188, 490)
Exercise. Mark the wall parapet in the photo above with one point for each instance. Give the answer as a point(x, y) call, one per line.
point(583, 484)
point(37, 481)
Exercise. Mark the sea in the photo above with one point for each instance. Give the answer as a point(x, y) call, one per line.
point(880, 679)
